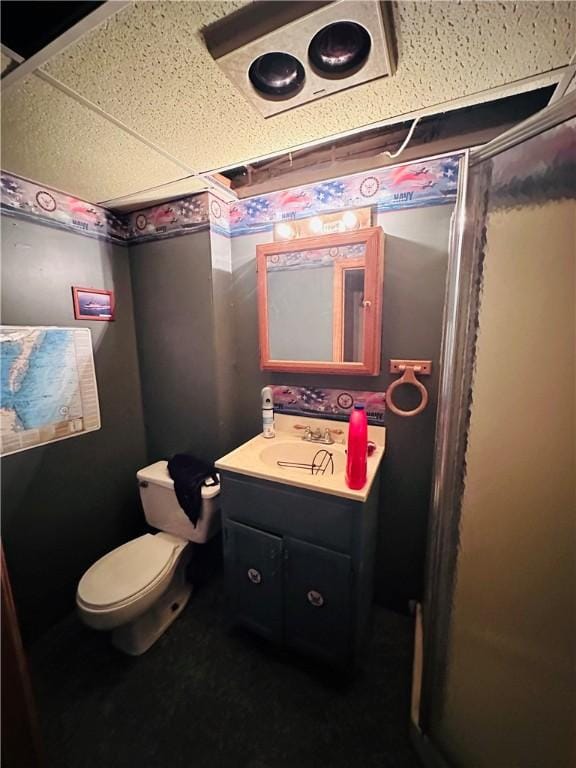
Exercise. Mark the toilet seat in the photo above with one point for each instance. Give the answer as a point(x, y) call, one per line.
point(128, 573)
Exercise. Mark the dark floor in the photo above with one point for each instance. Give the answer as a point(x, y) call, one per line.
point(206, 696)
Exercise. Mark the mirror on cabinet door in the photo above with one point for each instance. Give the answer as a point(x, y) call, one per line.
point(320, 303)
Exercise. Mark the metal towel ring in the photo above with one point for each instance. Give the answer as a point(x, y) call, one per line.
point(409, 369)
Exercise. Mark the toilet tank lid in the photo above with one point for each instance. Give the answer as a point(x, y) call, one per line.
point(158, 474)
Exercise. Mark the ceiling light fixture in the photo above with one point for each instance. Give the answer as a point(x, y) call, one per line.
point(339, 50)
point(285, 231)
point(350, 220)
point(316, 225)
point(323, 224)
point(277, 75)
point(281, 55)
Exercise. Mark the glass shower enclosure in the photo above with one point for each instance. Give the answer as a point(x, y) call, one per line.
point(495, 666)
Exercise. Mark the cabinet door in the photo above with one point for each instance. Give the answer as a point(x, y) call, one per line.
point(318, 593)
point(254, 563)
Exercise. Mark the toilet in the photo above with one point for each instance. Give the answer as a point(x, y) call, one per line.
point(137, 590)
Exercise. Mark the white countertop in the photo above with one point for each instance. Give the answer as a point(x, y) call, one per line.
point(247, 459)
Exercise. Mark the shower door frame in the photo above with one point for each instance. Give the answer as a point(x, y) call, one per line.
point(454, 400)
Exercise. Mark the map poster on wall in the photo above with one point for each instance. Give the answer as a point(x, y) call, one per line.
point(49, 389)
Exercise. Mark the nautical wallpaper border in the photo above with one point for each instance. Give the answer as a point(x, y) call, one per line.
point(177, 217)
point(28, 200)
point(329, 403)
point(412, 185)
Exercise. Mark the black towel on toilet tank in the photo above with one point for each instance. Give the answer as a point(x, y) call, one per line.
point(189, 474)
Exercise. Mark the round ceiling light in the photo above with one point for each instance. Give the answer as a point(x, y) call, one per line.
point(277, 75)
point(340, 49)
point(316, 225)
point(285, 231)
point(350, 220)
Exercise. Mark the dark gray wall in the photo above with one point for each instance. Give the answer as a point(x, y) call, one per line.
point(173, 306)
point(195, 306)
point(66, 504)
point(225, 353)
point(415, 260)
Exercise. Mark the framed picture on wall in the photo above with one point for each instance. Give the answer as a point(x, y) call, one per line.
point(93, 304)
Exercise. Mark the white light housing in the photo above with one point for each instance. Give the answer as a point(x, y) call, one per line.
point(330, 47)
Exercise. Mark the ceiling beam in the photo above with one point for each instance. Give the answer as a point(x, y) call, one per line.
point(445, 132)
point(28, 66)
point(530, 83)
point(315, 174)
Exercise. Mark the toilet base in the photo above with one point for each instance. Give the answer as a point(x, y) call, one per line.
point(139, 635)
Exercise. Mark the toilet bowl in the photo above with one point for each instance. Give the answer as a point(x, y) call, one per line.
point(137, 590)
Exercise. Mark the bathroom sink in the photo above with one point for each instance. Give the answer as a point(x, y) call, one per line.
point(307, 458)
point(290, 460)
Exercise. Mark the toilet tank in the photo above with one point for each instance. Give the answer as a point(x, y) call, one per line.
point(163, 512)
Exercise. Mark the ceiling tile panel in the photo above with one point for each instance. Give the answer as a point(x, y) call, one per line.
point(144, 199)
point(49, 137)
point(148, 67)
point(5, 62)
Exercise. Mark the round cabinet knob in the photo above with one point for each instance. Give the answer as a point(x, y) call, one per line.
point(143, 484)
point(315, 598)
point(254, 576)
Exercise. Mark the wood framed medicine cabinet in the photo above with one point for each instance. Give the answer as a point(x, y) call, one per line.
point(320, 303)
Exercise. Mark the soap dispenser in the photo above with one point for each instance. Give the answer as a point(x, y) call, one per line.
point(267, 412)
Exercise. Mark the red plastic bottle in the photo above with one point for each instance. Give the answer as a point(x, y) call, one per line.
point(357, 448)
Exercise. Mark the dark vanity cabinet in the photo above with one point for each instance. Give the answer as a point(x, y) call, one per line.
point(299, 564)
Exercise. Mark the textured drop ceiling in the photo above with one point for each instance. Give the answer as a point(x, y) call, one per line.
point(4, 62)
point(148, 68)
point(50, 137)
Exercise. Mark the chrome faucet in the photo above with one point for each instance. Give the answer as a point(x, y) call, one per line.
point(317, 436)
